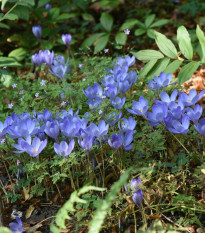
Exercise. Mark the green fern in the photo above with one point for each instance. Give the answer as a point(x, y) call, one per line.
point(62, 214)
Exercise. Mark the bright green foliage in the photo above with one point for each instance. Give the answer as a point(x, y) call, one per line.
point(4, 230)
point(101, 212)
point(62, 214)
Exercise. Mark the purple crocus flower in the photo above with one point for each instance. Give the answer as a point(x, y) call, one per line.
point(21, 146)
point(63, 149)
point(127, 60)
point(200, 127)
point(165, 97)
point(136, 184)
point(178, 126)
point(48, 57)
point(113, 118)
point(158, 114)
point(85, 141)
point(124, 86)
point(59, 67)
point(118, 102)
point(52, 129)
point(194, 114)
point(128, 124)
point(176, 110)
point(37, 31)
point(111, 90)
point(127, 138)
point(162, 81)
point(17, 227)
point(190, 99)
point(140, 107)
point(93, 92)
point(66, 38)
point(137, 197)
point(115, 141)
point(97, 131)
point(34, 148)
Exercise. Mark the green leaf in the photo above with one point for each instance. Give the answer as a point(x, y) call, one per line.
point(201, 38)
point(140, 32)
point(90, 40)
point(19, 54)
point(10, 16)
point(28, 3)
point(130, 23)
point(160, 66)
point(150, 33)
point(3, 3)
point(3, 25)
point(88, 17)
point(5, 230)
point(173, 66)
point(159, 23)
point(187, 71)
point(22, 12)
point(106, 20)
point(166, 45)
point(149, 20)
point(148, 54)
point(101, 43)
point(42, 3)
point(66, 16)
point(144, 71)
point(6, 78)
point(8, 61)
point(54, 13)
point(101, 212)
point(184, 42)
point(121, 38)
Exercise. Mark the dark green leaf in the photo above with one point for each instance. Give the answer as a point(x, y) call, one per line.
point(149, 20)
point(3, 25)
point(185, 42)
point(187, 71)
point(121, 38)
point(42, 3)
point(10, 17)
point(90, 40)
point(22, 12)
point(101, 43)
point(173, 66)
point(106, 20)
point(159, 23)
point(130, 23)
point(66, 16)
point(166, 45)
point(148, 54)
point(140, 32)
point(28, 3)
point(201, 38)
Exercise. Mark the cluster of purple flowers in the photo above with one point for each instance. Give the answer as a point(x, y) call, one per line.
point(31, 132)
point(118, 81)
point(175, 114)
point(43, 57)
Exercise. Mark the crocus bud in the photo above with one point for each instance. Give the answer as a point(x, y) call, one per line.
point(137, 197)
point(37, 31)
point(48, 6)
point(66, 38)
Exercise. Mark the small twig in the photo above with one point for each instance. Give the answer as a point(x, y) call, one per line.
point(175, 223)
